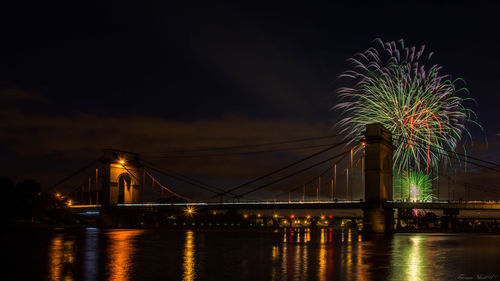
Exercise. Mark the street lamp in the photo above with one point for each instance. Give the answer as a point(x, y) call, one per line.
point(190, 211)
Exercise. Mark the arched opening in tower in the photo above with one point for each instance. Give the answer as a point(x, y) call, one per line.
point(123, 186)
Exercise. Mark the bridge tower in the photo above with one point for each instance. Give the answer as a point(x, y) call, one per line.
point(121, 178)
point(378, 179)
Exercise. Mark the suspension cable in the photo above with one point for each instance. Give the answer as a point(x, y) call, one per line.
point(179, 178)
point(312, 179)
point(292, 174)
point(285, 167)
point(72, 174)
point(187, 178)
point(166, 188)
point(243, 146)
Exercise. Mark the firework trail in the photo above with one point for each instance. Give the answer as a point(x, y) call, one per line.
point(393, 85)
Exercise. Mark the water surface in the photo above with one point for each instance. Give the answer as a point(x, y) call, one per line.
point(135, 254)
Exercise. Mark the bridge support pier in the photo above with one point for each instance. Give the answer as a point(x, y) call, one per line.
point(378, 180)
point(377, 219)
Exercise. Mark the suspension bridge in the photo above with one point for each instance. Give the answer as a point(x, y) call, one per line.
point(358, 177)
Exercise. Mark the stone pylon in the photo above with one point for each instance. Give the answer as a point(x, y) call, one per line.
point(121, 178)
point(378, 179)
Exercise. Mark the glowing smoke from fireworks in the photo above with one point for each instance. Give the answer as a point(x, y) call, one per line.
point(392, 85)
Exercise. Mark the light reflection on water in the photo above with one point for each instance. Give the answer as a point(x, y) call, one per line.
point(189, 259)
point(291, 255)
point(349, 256)
point(121, 250)
point(61, 258)
point(91, 254)
point(275, 256)
point(361, 268)
point(410, 258)
point(322, 258)
point(415, 261)
point(305, 261)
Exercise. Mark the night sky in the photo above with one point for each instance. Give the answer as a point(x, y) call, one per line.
point(80, 76)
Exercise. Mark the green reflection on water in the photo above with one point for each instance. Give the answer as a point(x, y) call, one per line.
point(408, 260)
point(415, 261)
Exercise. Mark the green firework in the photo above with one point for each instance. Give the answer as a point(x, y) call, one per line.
point(413, 186)
point(420, 106)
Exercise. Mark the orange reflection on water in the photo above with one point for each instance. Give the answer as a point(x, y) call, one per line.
point(322, 257)
point(322, 262)
point(189, 258)
point(349, 262)
point(284, 258)
point(362, 269)
point(275, 253)
point(61, 257)
point(297, 262)
point(307, 235)
point(305, 262)
point(349, 256)
point(275, 256)
point(121, 250)
point(292, 260)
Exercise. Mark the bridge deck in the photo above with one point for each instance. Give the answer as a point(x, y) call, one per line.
point(469, 205)
point(472, 205)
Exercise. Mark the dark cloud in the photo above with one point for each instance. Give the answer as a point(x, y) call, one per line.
point(12, 94)
point(77, 138)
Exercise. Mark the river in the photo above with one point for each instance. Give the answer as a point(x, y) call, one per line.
point(140, 254)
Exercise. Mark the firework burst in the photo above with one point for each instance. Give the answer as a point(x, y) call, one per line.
point(413, 186)
point(393, 86)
